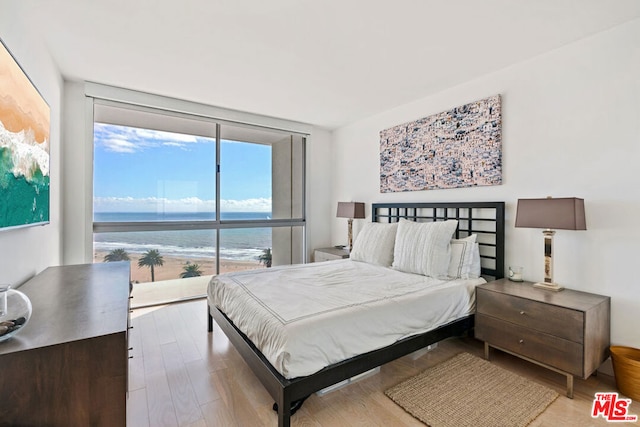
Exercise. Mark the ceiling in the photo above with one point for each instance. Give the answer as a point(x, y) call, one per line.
point(322, 62)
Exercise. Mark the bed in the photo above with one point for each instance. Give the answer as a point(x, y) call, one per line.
point(427, 319)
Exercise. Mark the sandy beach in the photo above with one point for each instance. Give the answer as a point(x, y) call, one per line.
point(174, 266)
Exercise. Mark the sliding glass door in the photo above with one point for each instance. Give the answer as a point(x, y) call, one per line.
point(183, 198)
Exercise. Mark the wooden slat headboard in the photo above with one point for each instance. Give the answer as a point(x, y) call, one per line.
point(486, 219)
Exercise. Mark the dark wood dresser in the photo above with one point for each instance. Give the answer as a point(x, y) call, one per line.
point(68, 365)
point(566, 331)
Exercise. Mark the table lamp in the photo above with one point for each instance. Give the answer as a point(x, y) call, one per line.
point(560, 213)
point(350, 210)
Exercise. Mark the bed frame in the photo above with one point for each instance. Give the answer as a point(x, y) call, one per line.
point(486, 219)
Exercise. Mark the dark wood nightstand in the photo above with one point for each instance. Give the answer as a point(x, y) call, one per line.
point(566, 331)
point(329, 254)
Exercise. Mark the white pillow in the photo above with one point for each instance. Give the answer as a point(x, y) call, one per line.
point(424, 247)
point(476, 266)
point(374, 244)
point(465, 258)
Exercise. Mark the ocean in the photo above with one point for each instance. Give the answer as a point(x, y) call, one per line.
point(244, 244)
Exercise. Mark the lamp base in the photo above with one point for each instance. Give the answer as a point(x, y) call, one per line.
point(549, 286)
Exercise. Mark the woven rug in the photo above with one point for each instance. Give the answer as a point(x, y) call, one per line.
point(469, 391)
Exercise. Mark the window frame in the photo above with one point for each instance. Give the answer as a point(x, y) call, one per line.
point(217, 224)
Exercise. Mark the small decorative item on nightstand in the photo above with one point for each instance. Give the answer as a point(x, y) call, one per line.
point(515, 273)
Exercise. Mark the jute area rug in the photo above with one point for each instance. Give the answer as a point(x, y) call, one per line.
point(469, 391)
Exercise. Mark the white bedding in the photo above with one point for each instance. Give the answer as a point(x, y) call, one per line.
point(306, 317)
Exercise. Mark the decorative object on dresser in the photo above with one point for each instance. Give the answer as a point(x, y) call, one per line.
point(68, 366)
point(560, 213)
point(350, 210)
point(330, 254)
point(15, 311)
point(461, 147)
point(567, 332)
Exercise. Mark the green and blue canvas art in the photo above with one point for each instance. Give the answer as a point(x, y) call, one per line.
point(24, 148)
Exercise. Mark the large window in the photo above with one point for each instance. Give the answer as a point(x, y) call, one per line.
point(183, 198)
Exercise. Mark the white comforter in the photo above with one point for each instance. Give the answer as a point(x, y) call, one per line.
point(306, 317)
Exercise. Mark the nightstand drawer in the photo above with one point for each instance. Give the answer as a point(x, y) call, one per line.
point(567, 331)
point(330, 254)
point(550, 350)
point(549, 319)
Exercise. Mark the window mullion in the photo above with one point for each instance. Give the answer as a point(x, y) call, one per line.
point(218, 197)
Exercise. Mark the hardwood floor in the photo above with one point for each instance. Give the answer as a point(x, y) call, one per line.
point(168, 291)
point(180, 375)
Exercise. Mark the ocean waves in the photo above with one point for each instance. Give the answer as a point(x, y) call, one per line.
point(235, 244)
point(188, 253)
point(28, 157)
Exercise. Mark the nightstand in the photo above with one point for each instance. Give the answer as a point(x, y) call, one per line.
point(567, 331)
point(329, 254)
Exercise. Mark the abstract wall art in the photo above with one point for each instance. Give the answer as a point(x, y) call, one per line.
point(458, 148)
point(24, 148)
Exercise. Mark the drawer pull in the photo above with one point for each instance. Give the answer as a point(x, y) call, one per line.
point(522, 312)
point(521, 341)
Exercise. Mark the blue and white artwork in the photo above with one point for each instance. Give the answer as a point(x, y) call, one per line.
point(458, 148)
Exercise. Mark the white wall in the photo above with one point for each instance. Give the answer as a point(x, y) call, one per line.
point(27, 251)
point(571, 127)
point(320, 209)
point(77, 157)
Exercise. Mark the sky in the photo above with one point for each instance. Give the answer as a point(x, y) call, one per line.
point(142, 170)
